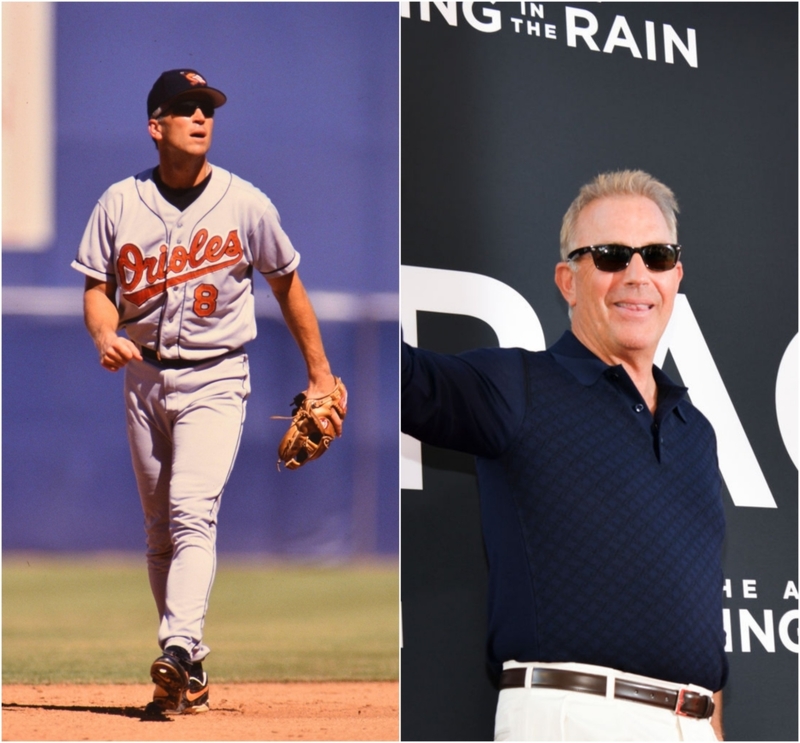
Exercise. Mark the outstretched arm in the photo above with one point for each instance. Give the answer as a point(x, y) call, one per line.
point(302, 323)
point(473, 402)
point(101, 318)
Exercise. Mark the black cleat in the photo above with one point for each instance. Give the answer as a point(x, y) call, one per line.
point(195, 698)
point(181, 686)
point(170, 674)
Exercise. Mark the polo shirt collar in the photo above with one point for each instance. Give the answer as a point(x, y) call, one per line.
point(570, 353)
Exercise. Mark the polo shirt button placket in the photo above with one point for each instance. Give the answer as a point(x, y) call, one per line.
point(659, 441)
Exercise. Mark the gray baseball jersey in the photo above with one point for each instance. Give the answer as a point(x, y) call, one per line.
point(185, 277)
point(185, 291)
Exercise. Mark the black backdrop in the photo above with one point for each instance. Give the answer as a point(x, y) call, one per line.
point(500, 127)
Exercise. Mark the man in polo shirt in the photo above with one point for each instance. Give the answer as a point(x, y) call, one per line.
point(600, 492)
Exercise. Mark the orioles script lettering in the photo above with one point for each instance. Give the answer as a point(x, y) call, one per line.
point(156, 274)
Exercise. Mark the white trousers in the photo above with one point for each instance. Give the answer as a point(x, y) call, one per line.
point(184, 428)
point(551, 714)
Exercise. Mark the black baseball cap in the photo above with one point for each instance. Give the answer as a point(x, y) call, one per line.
point(183, 83)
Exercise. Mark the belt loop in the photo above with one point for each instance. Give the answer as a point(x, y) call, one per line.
point(611, 683)
point(528, 676)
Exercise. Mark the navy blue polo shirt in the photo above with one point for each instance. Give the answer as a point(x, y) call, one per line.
point(603, 523)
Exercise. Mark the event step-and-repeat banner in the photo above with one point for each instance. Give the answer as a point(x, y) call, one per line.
point(507, 109)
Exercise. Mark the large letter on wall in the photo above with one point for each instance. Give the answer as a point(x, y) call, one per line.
point(737, 461)
point(461, 293)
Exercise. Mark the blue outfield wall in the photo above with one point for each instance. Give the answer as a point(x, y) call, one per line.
point(312, 120)
point(68, 483)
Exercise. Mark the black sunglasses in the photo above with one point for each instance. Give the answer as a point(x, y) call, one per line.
point(659, 257)
point(187, 108)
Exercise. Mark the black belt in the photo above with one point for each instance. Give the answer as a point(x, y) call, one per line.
point(154, 358)
point(682, 702)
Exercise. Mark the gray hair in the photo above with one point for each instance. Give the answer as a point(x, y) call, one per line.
point(619, 183)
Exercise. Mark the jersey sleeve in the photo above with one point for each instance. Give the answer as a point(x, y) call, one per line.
point(273, 252)
point(473, 402)
point(96, 250)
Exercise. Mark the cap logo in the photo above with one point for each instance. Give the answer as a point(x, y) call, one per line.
point(194, 78)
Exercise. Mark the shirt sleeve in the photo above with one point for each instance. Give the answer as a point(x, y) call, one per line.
point(473, 402)
point(96, 250)
point(273, 252)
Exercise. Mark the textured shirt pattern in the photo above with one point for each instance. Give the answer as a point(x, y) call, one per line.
point(603, 524)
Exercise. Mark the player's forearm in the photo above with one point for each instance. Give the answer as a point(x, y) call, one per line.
point(99, 313)
point(302, 323)
point(102, 320)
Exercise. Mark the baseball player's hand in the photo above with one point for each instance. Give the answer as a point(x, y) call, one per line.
point(322, 387)
point(116, 351)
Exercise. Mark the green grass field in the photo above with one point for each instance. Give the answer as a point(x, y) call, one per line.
point(92, 619)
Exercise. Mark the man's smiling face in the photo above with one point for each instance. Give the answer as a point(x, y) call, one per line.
point(621, 315)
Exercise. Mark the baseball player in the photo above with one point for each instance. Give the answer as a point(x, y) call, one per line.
point(169, 256)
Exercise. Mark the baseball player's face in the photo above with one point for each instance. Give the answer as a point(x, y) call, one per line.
point(184, 129)
point(622, 313)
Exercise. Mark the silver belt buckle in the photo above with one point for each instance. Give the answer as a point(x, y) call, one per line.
point(708, 710)
point(679, 705)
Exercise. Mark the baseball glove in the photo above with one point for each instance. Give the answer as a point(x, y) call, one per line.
point(311, 431)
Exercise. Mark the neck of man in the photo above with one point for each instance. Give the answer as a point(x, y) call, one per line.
point(178, 170)
point(638, 363)
point(641, 375)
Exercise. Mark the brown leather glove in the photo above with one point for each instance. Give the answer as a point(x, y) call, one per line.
point(312, 430)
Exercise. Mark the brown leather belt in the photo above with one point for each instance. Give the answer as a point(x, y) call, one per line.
point(682, 702)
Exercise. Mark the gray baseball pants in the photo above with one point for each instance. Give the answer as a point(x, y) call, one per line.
point(184, 429)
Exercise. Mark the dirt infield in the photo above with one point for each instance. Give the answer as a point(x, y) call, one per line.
point(293, 711)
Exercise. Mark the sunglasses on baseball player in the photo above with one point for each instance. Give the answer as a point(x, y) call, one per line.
point(612, 258)
point(187, 108)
